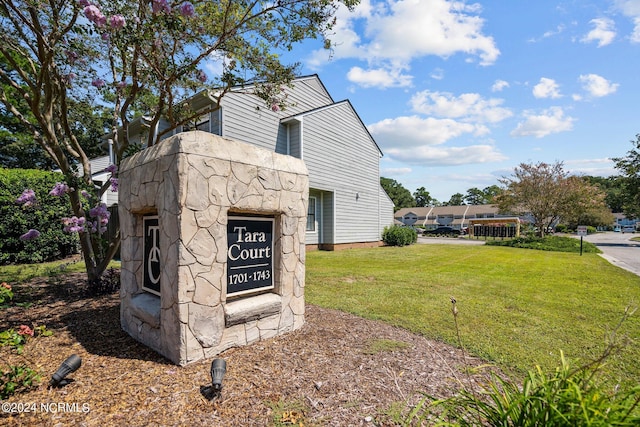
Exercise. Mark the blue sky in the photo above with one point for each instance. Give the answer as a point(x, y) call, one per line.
point(457, 94)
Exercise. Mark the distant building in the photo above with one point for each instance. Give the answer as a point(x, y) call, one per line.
point(457, 217)
point(620, 220)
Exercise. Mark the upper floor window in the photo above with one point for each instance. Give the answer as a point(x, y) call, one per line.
point(202, 123)
point(209, 122)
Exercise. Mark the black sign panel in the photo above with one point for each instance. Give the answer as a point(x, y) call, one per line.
point(151, 268)
point(249, 254)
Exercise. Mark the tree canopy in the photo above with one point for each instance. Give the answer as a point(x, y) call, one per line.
point(548, 194)
point(138, 58)
point(422, 198)
point(400, 196)
point(629, 167)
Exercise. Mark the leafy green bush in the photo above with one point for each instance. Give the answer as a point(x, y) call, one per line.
point(397, 235)
point(6, 294)
point(547, 243)
point(562, 228)
point(45, 216)
point(17, 379)
point(563, 398)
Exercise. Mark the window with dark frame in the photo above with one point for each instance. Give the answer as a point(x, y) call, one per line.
point(311, 214)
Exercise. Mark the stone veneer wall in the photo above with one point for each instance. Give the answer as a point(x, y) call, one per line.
point(193, 181)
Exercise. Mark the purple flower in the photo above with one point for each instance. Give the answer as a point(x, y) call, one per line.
point(105, 37)
point(85, 194)
point(94, 14)
point(72, 56)
point(84, 3)
point(117, 22)
point(30, 235)
point(275, 108)
point(69, 78)
point(202, 76)
point(102, 214)
point(59, 190)
point(159, 6)
point(187, 9)
point(27, 198)
point(114, 184)
point(97, 83)
point(111, 168)
point(74, 224)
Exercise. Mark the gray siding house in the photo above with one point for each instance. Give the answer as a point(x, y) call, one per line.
point(347, 205)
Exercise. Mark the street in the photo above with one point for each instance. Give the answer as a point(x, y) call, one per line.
point(618, 249)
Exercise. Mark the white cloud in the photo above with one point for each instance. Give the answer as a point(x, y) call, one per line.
point(437, 74)
point(593, 167)
point(547, 88)
point(597, 86)
point(550, 121)
point(396, 171)
point(393, 33)
point(426, 155)
point(604, 32)
point(416, 140)
point(558, 30)
point(468, 106)
point(379, 77)
point(414, 131)
point(499, 85)
point(631, 9)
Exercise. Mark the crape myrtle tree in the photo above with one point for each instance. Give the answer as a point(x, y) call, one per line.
point(629, 167)
point(548, 194)
point(138, 57)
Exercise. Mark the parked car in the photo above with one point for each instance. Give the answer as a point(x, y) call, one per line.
point(628, 229)
point(443, 231)
point(617, 229)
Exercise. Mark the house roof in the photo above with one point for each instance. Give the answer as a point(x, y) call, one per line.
point(466, 210)
point(333, 105)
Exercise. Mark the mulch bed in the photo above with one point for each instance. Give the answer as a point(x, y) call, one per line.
point(322, 374)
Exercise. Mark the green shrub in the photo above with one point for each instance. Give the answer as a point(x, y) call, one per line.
point(397, 235)
point(563, 398)
point(561, 228)
point(547, 243)
point(45, 216)
point(17, 379)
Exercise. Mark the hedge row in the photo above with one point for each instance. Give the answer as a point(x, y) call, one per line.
point(45, 216)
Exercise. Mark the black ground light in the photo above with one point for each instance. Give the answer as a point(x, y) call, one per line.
point(218, 369)
point(70, 365)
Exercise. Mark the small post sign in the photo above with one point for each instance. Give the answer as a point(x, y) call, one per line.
point(151, 269)
point(249, 255)
point(582, 231)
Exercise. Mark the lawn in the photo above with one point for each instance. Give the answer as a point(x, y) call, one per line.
point(517, 307)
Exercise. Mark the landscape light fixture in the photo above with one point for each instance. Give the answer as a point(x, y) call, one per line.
point(71, 364)
point(218, 369)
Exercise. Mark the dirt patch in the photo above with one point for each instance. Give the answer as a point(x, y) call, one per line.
point(326, 370)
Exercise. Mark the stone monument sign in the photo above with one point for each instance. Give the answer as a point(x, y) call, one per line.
point(212, 245)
